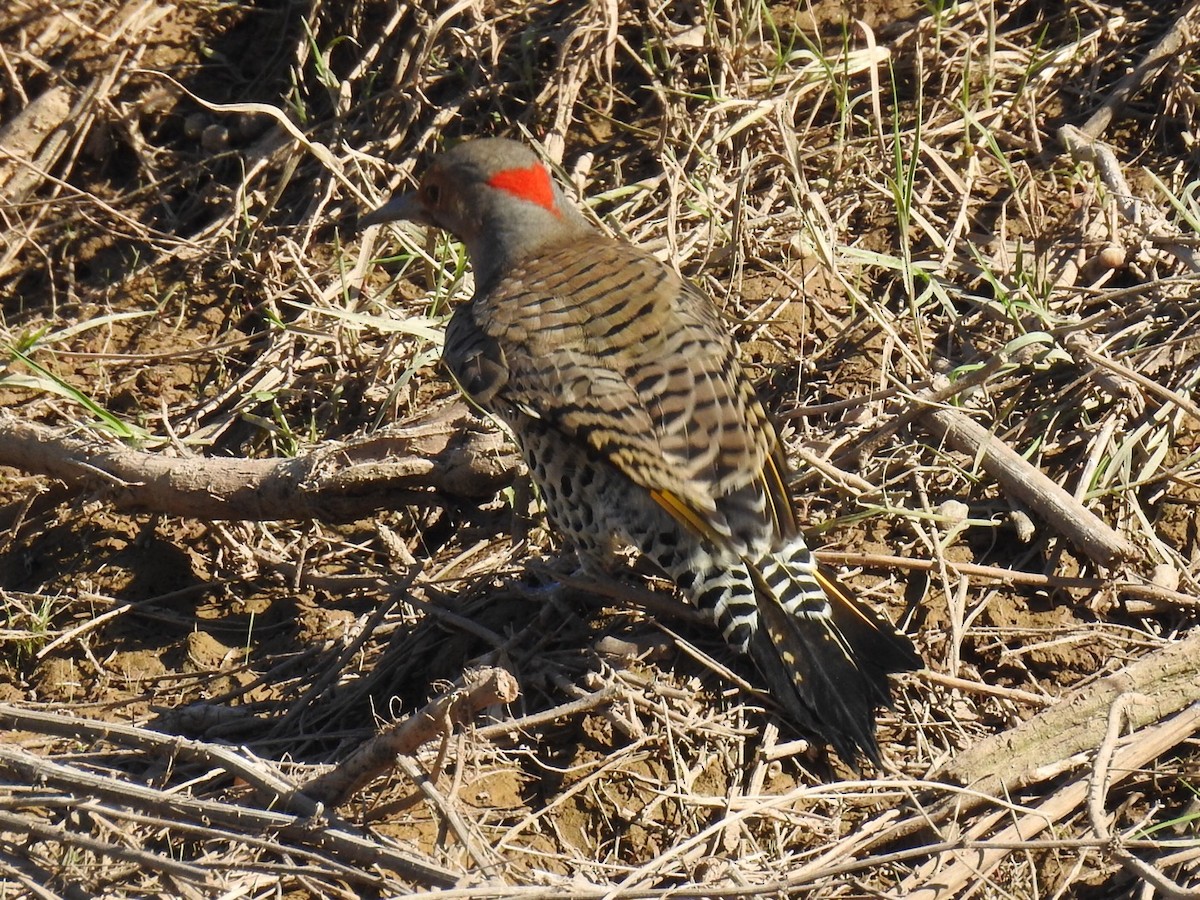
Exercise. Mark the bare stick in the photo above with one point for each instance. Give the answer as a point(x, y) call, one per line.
point(1150, 598)
point(271, 786)
point(476, 689)
point(1084, 144)
point(480, 852)
point(1002, 764)
point(447, 453)
point(332, 837)
point(1098, 788)
point(69, 838)
point(949, 873)
point(1153, 63)
point(1026, 482)
point(606, 694)
point(33, 878)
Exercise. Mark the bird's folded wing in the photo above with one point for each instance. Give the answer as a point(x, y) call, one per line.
point(615, 351)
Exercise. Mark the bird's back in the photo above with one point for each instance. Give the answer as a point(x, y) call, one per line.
point(604, 343)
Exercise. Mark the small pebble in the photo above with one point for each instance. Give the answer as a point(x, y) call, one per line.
point(1111, 257)
point(954, 512)
point(1165, 576)
point(215, 138)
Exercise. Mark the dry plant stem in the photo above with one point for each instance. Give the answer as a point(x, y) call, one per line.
point(117, 608)
point(271, 787)
point(1163, 393)
point(320, 685)
point(602, 697)
point(1169, 678)
point(1162, 53)
point(69, 838)
point(333, 838)
point(23, 136)
point(1118, 714)
point(26, 874)
point(655, 601)
point(481, 853)
point(476, 690)
point(447, 453)
point(1099, 154)
point(200, 832)
point(1066, 514)
point(1150, 597)
point(939, 392)
point(956, 873)
point(1084, 144)
point(1027, 483)
point(963, 684)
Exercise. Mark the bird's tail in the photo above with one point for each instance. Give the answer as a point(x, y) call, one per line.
point(825, 655)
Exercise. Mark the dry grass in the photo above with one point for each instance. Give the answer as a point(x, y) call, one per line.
point(878, 205)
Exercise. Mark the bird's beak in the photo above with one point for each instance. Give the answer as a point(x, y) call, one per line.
point(402, 207)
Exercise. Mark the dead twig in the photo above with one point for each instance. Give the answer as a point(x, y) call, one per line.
point(526, 724)
point(476, 690)
point(1084, 144)
point(331, 837)
point(948, 873)
point(1169, 679)
point(1027, 483)
point(1155, 61)
point(1118, 715)
point(1147, 598)
point(444, 454)
point(304, 820)
point(71, 838)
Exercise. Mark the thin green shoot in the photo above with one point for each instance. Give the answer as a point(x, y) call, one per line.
point(47, 381)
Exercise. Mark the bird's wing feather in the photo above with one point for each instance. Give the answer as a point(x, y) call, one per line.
point(613, 349)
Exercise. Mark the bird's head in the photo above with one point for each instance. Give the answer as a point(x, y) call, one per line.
point(495, 195)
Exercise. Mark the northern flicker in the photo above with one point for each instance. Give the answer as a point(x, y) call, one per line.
point(622, 387)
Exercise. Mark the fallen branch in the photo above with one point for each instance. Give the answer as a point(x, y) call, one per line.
point(1021, 479)
point(446, 454)
point(1167, 712)
point(1030, 485)
point(953, 872)
point(1167, 49)
point(340, 841)
point(1085, 145)
point(478, 688)
point(1005, 763)
point(1097, 790)
point(31, 827)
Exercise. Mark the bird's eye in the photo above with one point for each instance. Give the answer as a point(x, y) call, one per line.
point(431, 192)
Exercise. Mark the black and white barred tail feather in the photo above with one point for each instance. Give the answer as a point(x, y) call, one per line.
point(824, 655)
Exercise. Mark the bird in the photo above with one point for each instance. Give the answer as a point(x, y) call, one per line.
point(621, 384)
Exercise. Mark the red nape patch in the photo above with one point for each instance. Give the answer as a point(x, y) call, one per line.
point(532, 184)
